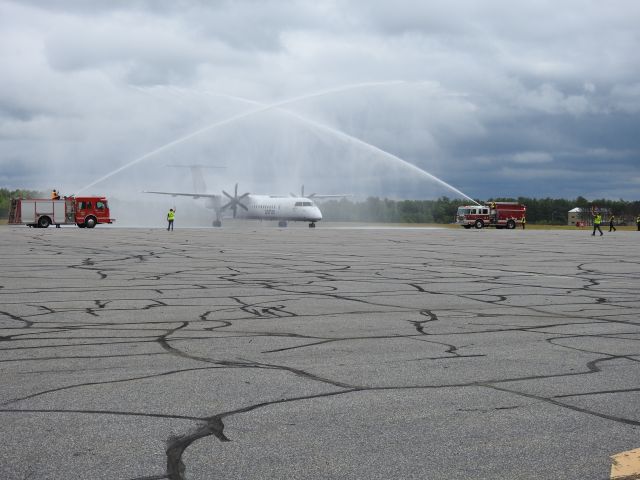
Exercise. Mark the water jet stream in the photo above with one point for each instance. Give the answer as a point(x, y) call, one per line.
point(234, 118)
point(262, 108)
point(362, 143)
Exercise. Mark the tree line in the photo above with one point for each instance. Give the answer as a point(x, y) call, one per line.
point(7, 195)
point(547, 211)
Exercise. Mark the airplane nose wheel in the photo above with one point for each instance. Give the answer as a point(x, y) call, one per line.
point(282, 223)
point(217, 223)
point(312, 225)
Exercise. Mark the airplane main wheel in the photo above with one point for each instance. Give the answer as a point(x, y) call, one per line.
point(282, 223)
point(217, 223)
point(312, 225)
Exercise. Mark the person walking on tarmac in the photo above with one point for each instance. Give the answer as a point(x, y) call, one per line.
point(638, 222)
point(171, 216)
point(597, 220)
point(524, 221)
point(611, 226)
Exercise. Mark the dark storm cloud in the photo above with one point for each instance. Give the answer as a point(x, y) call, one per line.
point(500, 98)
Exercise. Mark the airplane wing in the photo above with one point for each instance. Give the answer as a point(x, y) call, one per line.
point(192, 195)
point(320, 196)
point(339, 195)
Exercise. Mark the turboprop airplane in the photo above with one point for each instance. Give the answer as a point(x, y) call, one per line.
point(260, 207)
point(248, 205)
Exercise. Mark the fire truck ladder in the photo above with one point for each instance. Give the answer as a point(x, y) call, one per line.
point(13, 211)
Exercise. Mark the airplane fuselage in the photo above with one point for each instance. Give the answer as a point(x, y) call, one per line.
point(273, 207)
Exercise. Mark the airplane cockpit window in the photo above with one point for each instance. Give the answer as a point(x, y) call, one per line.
point(299, 204)
point(307, 204)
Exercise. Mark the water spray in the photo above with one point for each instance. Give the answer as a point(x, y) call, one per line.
point(362, 143)
point(234, 118)
point(263, 108)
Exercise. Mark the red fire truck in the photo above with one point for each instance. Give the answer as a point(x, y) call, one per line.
point(496, 214)
point(38, 212)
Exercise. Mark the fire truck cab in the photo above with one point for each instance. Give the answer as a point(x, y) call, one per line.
point(496, 214)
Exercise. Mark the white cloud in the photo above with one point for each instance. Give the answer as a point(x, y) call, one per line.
point(532, 158)
point(507, 84)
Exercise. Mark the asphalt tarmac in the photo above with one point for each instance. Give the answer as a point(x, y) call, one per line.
point(254, 352)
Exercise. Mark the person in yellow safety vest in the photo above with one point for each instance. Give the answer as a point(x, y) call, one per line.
point(171, 216)
point(493, 212)
point(597, 220)
point(55, 195)
point(524, 222)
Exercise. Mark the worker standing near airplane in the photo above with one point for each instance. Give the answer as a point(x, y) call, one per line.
point(171, 216)
point(597, 220)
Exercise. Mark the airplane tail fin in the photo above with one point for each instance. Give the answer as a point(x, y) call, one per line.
point(197, 175)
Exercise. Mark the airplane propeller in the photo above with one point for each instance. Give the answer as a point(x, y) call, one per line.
point(235, 202)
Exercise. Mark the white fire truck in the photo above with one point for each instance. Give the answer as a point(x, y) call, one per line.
point(496, 214)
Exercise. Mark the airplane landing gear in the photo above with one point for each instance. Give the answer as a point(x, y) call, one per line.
point(217, 223)
point(312, 225)
point(282, 223)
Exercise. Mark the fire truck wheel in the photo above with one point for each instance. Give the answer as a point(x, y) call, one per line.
point(479, 224)
point(90, 222)
point(44, 222)
point(511, 224)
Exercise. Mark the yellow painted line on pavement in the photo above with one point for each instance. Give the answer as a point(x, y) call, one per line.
point(626, 465)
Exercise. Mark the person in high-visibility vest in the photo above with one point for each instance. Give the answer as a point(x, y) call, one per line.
point(171, 216)
point(55, 195)
point(524, 222)
point(597, 220)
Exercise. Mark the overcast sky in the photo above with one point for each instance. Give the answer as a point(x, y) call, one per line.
point(495, 98)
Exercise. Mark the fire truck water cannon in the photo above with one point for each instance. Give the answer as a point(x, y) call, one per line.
point(85, 212)
point(495, 214)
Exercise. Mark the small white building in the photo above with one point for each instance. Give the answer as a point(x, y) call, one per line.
point(575, 215)
point(584, 216)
